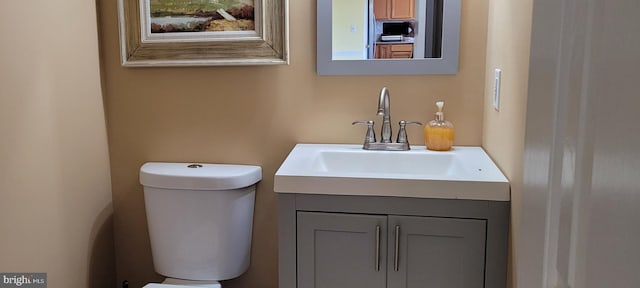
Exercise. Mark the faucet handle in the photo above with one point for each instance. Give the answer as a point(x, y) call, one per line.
point(370, 137)
point(402, 133)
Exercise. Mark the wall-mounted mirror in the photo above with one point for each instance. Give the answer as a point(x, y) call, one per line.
point(388, 37)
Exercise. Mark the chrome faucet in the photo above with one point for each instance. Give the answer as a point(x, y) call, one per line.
point(386, 143)
point(385, 112)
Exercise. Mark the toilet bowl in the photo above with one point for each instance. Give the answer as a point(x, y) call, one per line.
point(200, 220)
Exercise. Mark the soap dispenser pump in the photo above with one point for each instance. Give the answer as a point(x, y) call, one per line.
point(438, 133)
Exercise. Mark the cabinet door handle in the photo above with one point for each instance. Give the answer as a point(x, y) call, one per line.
point(377, 247)
point(395, 260)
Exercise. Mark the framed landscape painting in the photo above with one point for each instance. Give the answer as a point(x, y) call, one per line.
point(203, 32)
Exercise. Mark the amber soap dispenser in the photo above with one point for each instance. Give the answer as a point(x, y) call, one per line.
point(438, 133)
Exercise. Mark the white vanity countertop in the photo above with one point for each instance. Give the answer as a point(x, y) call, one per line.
point(346, 169)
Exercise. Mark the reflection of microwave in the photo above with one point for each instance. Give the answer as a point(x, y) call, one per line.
point(396, 28)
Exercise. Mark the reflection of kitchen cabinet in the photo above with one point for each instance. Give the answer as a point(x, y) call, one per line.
point(394, 51)
point(394, 9)
point(383, 51)
point(340, 241)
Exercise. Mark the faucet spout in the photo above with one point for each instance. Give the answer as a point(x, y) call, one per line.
point(383, 109)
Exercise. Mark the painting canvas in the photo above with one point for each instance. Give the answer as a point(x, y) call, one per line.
point(178, 16)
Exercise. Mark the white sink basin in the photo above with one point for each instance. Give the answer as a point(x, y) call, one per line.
point(362, 162)
point(462, 173)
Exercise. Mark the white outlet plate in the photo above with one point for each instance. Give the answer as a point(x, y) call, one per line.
point(497, 78)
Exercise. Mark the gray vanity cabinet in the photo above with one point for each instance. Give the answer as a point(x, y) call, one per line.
point(338, 250)
point(339, 241)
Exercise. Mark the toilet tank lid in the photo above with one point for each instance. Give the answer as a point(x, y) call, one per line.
point(199, 176)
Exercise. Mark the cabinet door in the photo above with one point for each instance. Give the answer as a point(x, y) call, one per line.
point(401, 51)
point(381, 9)
point(402, 9)
point(383, 51)
point(341, 250)
point(436, 252)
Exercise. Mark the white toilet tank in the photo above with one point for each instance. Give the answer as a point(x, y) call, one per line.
point(200, 218)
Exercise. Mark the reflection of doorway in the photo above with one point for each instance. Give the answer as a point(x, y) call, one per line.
point(371, 31)
point(350, 29)
point(428, 41)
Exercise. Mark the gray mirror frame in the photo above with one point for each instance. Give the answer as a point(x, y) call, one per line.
point(448, 64)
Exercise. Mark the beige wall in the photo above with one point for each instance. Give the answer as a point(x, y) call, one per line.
point(508, 43)
point(55, 211)
point(254, 115)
